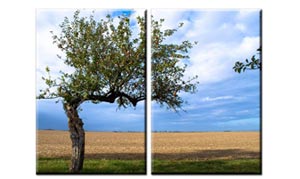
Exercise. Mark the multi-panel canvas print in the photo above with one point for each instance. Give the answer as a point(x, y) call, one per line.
point(205, 91)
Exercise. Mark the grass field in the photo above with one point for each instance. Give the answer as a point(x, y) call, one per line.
point(105, 152)
point(236, 166)
point(90, 166)
point(206, 152)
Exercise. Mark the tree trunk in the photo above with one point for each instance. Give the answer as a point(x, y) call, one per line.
point(77, 136)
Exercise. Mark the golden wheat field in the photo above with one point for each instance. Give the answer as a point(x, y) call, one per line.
point(100, 145)
point(206, 145)
point(172, 146)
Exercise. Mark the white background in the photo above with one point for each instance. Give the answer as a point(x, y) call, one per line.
point(281, 134)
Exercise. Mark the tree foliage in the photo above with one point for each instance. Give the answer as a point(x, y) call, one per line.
point(252, 64)
point(108, 62)
point(167, 73)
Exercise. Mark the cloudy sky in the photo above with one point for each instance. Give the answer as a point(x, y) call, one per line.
point(224, 101)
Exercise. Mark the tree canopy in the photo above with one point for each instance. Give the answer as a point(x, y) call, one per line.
point(108, 63)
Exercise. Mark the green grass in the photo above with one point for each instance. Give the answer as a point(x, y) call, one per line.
point(60, 166)
point(238, 166)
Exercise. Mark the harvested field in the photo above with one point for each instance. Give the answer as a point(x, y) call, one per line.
point(98, 145)
point(206, 145)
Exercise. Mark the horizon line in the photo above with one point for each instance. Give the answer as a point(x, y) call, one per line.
point(162, 131)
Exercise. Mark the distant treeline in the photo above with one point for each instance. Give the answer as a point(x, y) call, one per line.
point(159, 131)
point(90, 130)
point(205, 131)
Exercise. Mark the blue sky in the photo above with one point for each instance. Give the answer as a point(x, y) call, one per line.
point(229, 105)
point(100, 117)
point(224, 101)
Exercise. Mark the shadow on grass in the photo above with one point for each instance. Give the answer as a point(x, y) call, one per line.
point(226, 161)
point(208, 155)
point(237, 166)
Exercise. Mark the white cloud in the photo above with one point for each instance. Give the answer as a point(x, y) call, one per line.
point(180, 122)
point(240, 27)
point(138, 12)
point(222, 40)
point(213, 62)
point(239, 122)
point(217, 98)
point(218, 112)
point(46, 52)
point(172, 18)
point(245, 14)
point(133, 19)
point(246, 111)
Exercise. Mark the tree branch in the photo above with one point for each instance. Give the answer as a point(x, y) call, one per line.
point(110, 98)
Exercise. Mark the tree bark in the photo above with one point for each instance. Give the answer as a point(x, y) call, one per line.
point(77, 136)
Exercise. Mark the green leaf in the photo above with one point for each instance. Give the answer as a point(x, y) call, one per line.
point(47, 69)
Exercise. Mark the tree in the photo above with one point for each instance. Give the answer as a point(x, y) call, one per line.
point(252, 64)
point(109, 65)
